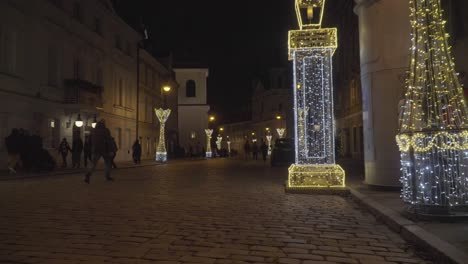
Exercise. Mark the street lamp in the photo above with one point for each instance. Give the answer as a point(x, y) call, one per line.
point(79, 122)
point(93, 124)
point(166, 89)
point(212, 118)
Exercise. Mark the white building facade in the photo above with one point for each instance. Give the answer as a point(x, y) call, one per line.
point(192, 106)
point(63, 58)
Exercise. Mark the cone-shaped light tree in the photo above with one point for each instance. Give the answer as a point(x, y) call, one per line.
point(433, 136)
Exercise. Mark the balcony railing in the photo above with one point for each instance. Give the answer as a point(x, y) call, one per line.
point(82, 92)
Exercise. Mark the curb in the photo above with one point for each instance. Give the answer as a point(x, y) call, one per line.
point(442, 251)
point(73, 172)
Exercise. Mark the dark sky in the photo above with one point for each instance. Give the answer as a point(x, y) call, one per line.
point(236, 40)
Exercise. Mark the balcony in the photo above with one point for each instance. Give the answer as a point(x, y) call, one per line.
point(82, 92)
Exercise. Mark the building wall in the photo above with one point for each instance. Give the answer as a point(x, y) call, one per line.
point(43, 44)
point(192, 111)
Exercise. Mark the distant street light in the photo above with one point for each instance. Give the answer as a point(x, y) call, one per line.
point(212, 118)
point(93, 124)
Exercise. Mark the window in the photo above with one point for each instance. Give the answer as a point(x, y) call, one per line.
point(280, 107)
point(8, 50)
point(98, 26)
point(128, 50)
point(120, 93)
point(52, 66)
point(57, 3)
point(279, 82)
point(355, 146)
point(190, 88)
point(118, 42)
point(77, 11)
point(119, 138)
point(77, 69)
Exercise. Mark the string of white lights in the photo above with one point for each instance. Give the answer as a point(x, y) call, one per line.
point(433, 137)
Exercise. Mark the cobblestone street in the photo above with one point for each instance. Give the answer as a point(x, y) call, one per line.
point(215, 211)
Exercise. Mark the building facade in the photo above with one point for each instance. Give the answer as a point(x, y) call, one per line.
point(192, 106)
point(271, 109)
point(61, 60)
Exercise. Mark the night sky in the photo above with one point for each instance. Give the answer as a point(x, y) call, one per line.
point(237, 40)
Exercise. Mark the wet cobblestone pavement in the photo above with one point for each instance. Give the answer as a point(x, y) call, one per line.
point(215, 211)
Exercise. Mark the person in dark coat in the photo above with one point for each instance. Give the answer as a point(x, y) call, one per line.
point(247, 149)
point(77, 149)
point(255, 150)
point(87, 150)
point(63, 149)
point(12, 145)
point(264, 149)
point(136, 148)
point(113, 149)
point(100, 147)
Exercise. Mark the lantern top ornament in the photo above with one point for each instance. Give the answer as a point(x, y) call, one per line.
point(306, 11)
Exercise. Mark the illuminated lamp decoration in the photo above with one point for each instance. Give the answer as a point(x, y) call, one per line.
point(218, 142)
point(269, 137)
point(208, 132)
point(163, 115)
point(280, 132)
point(433, 134)
point(311, 49)
point(229, 145)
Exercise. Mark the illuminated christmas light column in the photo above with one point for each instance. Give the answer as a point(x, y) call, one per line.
point(280, 132)
point(229, 145)
point(433, 136)
point(208, 132)
point(219, 139)
point(269, 137)
point(163, 115)
point(311, 48)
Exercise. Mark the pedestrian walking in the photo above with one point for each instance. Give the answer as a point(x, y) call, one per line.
point(136, 148)
point(113, 149)
point(87, 150)
point(100, 147)
point(12, 145)
point(77, 149)
point(255, 150)
point(247, 149)
point(264, 149)
point(63, 149)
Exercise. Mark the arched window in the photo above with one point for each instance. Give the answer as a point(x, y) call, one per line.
point(190, 88)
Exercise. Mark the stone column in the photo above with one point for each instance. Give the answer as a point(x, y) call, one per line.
point(384, 36)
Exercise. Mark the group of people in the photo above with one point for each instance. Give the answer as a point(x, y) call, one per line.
point(78, 148)
point(253, 150)
point(26, 151)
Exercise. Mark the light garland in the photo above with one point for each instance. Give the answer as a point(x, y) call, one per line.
point(269, 137)
point(311, 51)
point(163, 115)
point(208, 132)
point(433, 138)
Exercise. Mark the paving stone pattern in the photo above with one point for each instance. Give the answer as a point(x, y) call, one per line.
point(216, 211)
